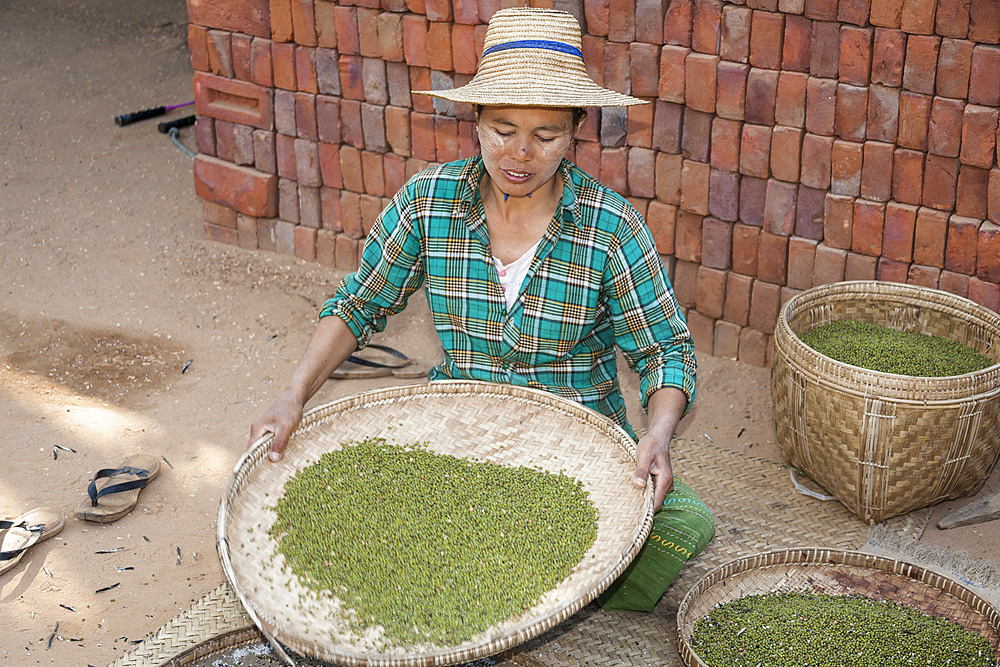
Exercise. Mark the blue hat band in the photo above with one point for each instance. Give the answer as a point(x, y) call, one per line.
point(549, 45)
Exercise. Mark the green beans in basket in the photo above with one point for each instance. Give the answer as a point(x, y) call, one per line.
point(431, 547)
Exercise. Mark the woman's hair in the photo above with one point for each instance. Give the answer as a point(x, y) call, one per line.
point(578, 114)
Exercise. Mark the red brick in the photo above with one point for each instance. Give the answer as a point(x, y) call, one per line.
point(420, 79)
point(467, 12)
point(397, 130)
point(251, 18)
point(724, 195)
point(940, 182)
point(326, 246)
point(284, 112)
point(224, 141)
point(598, 16)
point(672, 73)
point(373, 173)
point(662, 219)
point(593, 55)
point(373, 127)
point(650, 31)
point(614, 169)
point(790, 103)
point(734, 41)
point(414, 40)
point(786, 146)
point(855, 55)
point(731, 84)
point(860, 267)
point(241, 56)
point(702, 330)
point(264, 158)
point(347, 253)
point(876, 171)
point(305, 116)
point(348, 32)
point(854, 11)
point(883, 113)
point(907, 176)
point(762, 86)
point(329, 165)
point(705, 26)
point(394, 169)
point(801, 258)
point(929, 234)
point(954, 68)
point(304, 22)
point(350, 169)
point(825, 51)
point(685, 283)
point(779, 209)
point(727, 340)
point(867, 227)
point(696, 137)
point(233, 101)
point(422, 136)
point(952, 18)
point(914, 120)
point(438, 10)
point(350, 214)
point(325, 17)
point(888, 53)
point(821, 10)
point(755, 148)
point(221, 234)
point(809, 212)
point(641, 172)
point(821, 105)
point(954, 283)
point(828, 265)
point(766, 39)
point(890, 271)
point(753, 197)
point(985, 294)
point(261, 71)
point(737, 305)
point(988, 252)
point(687, 242)
point(694, 186)
point(851, 120)
point(328, 118)
point(439, 46)
point(699, 86)
point(918, 17)
point(307, 163)
point(621, 23)
point(310, 207)
point(962, 245)
point(745, 241)
point(668, 178)
point(645, 65)
point(945, 130)
point(984, 22)
point(972, 196)
point(711, 292)
point(921, 63)
point(330, 203)
point(351, 128)
point(617, 68)
point(796, 53)
point(887, 13)
point(725, 142)
point(668, 121)
point(246, 232)
point(280, 21)
point(328, 72)
point(219, 215)
point(247, 190)
point(352, 81)
point(389, 29)
point(754, 347)
point(677, 23)
point(816, 161)
point(979, 135)
point(398, 78)
point(838, 227)
point(716, 244)
point(764, 305)
point(993, 205)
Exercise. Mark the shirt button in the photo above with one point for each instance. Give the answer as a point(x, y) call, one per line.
point(503, 273)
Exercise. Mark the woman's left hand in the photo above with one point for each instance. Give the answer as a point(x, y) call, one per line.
point(664, 409)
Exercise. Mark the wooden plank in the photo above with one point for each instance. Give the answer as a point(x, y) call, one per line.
point(986, 508)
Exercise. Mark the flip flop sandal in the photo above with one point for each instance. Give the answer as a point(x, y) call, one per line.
point(25, 531)
point(114, 492)
point(357, 367)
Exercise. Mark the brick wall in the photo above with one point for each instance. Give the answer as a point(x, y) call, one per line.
point(788, 143)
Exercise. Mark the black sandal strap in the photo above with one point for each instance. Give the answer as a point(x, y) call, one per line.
point(116, 488)
point(375, 364)
point(14, 553)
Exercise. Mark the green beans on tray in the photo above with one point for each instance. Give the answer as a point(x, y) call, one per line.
point(430, 547)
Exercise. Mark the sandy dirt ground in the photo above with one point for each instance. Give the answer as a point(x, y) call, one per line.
point(108, 291)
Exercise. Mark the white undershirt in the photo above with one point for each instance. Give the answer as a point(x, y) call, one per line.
point(513, 274)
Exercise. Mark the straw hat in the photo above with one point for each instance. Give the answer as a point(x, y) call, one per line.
point(533, 57)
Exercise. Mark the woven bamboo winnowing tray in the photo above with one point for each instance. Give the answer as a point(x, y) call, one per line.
point(835, 572)
point(886, 444)
point(492, 422)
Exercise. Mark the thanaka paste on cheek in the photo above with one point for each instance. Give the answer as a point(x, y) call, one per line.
point(489, 140)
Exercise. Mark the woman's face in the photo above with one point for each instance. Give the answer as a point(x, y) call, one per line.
point(523, 147)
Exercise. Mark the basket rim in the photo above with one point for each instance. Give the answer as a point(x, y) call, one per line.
point(821, 556)
point(451, 655)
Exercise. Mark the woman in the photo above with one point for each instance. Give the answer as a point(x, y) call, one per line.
point(533, 271)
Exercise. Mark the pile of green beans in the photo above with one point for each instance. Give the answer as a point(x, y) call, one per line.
point(886, 350)
point(432, 548)
point(808, 630)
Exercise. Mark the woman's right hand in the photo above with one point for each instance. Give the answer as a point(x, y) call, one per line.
point(280, 419)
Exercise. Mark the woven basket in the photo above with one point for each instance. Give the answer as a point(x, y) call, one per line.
point(886, 444)
point(835, 572)
point(492, 422)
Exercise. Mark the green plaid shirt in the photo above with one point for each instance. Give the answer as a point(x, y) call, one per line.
point(596, 281)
